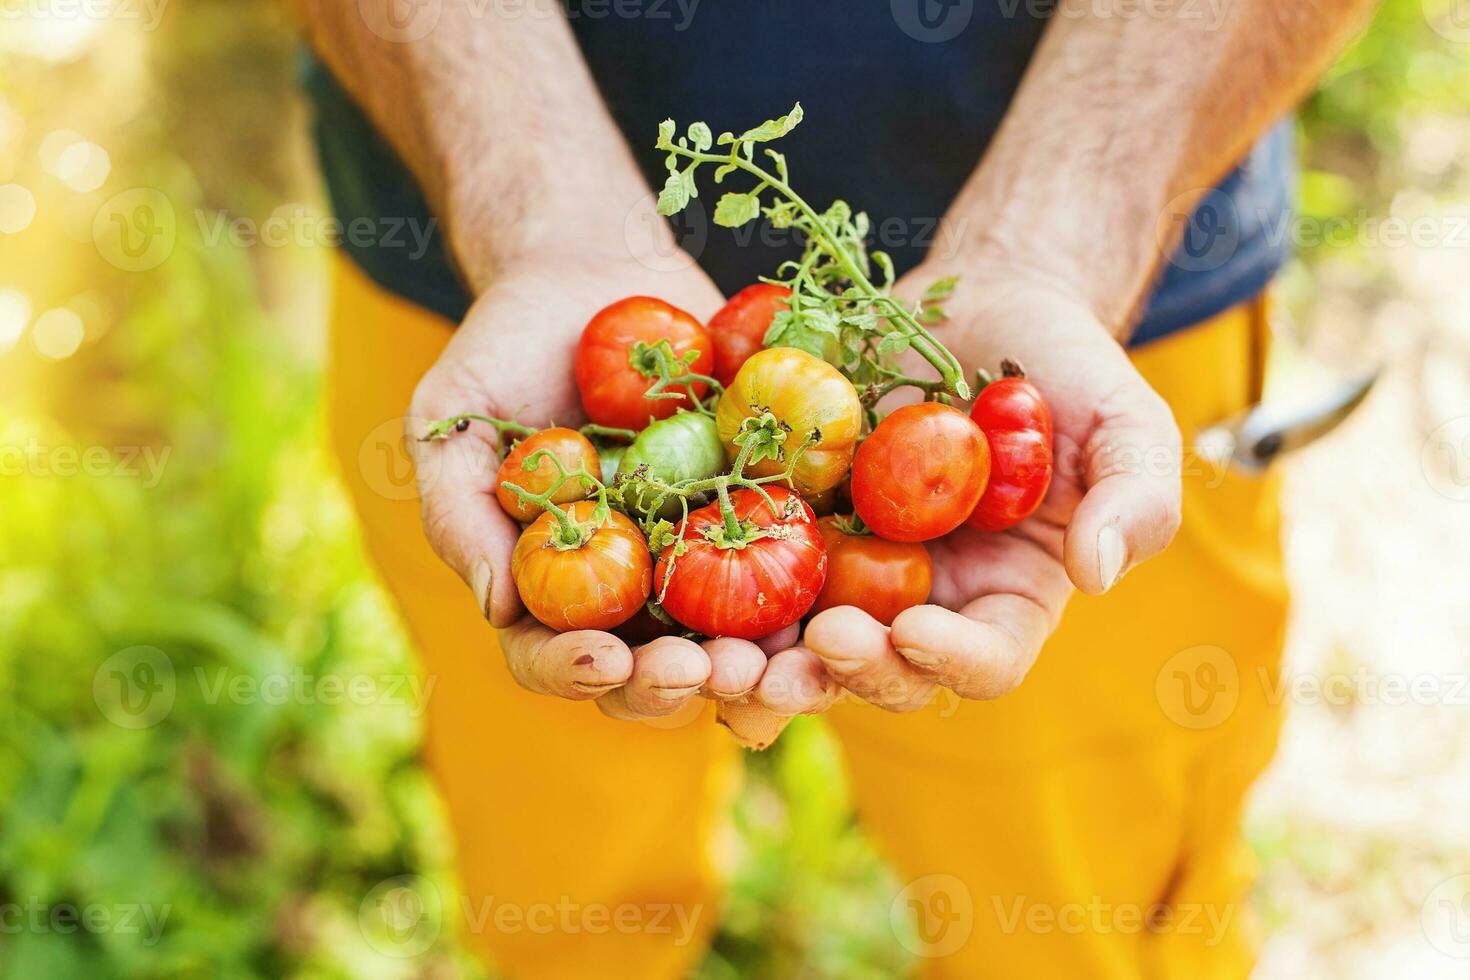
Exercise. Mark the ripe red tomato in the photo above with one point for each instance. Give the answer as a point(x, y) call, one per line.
point(612, 386)
point(880, 577)
point(1017, 426)
point(740, 326)
point(753, 590)
point(595, 585)
point(570, 448)
point(920, 473)
point(812, 401)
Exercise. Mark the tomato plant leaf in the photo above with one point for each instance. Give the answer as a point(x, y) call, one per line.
point(675, 194)
point(734, 209)
point(940, 289)
point(773, 129)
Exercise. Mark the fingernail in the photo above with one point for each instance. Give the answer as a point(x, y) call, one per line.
point(921, 658)
point(1111, 554)
point(674, 693)
point(480, 582)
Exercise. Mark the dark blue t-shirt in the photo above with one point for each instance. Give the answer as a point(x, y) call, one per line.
point(901, 99)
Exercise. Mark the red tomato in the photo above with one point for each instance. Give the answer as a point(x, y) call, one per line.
point(739, 328)
point(595, 585)
point(570, 448)
point(753, 590)
point(882, 578)
point(612, 386)
point(920, 473)
point(1017, 426)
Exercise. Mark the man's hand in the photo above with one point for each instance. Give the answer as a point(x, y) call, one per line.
point(510, 359)
point(1114, 501)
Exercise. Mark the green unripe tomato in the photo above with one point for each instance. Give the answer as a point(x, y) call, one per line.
point(681, 447)
point(610, 457)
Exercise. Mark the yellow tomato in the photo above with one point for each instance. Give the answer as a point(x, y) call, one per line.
point(814, 403)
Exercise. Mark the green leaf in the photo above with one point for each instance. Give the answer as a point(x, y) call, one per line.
point(893, 343)
point(735, 209)
point(675, 195)
point(665, 134)
point(940, 289)
point(774, 128)
point(700, 136)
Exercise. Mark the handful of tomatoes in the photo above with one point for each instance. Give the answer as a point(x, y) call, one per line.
point(690, 502)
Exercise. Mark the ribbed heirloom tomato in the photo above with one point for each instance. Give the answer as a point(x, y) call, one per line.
point(570, 448)
point(1017, 426)
point(920, 473)
point(575, 575)
point(748, 580)
point(813, 405)
point(738, 330)
point(882, 578)
point(614, 372)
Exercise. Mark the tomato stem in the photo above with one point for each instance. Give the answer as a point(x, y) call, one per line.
point(607, 432)
point(443, 428)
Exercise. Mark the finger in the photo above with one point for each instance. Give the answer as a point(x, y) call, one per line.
point(735, 668)
point(1131, 509)
point(796, 683)
point(981, 652)
point(780, 640)
point(856, 651)
point(666, 673)
point(580, 665)
point(462, 520)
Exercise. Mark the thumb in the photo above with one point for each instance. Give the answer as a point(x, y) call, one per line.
point(462, 520)
point(1131, 463)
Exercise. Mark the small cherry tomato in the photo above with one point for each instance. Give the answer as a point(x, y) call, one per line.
point(682, 447)
point(760, 581)
point(610, 366)
point(920, 473)
point(582, 580)
point(738, 330)
point(813, 405)
point(882, 578)
point(569, 447)
point(1017, 426)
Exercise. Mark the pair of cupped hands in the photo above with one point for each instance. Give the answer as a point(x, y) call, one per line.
point(996, 597)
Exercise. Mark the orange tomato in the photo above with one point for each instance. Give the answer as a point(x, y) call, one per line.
point(569, 447)
point(882, 578)
point(595, 585)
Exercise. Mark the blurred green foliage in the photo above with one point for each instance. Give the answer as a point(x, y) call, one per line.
point(240, 835)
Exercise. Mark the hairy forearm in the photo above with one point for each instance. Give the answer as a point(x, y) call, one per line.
point(497, 117)
point(1121, 119)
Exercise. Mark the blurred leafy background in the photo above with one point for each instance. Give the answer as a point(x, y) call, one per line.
point(167, 506)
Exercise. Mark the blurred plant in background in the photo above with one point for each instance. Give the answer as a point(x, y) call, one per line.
point(175, 551)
